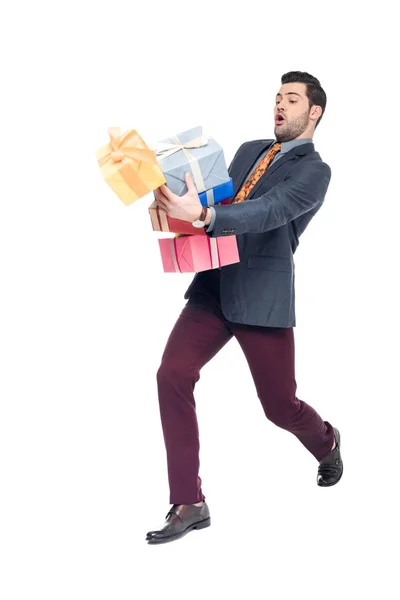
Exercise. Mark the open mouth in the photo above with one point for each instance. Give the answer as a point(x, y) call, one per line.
point(279, 119)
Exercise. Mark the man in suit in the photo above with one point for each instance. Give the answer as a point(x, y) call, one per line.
point(279, 185)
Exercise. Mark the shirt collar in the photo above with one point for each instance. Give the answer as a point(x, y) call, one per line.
point(286, 146)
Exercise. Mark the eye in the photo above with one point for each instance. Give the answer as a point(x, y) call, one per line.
point(293, 101)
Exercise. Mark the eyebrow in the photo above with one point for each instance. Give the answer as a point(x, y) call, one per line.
point(289, 94)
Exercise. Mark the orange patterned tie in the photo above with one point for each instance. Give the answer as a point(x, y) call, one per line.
point(258, 172)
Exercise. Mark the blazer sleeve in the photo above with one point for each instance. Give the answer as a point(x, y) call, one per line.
point(304, 189)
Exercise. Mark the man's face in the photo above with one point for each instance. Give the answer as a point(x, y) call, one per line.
point(292, 104)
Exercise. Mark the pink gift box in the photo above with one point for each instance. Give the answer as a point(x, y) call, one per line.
point(194, 253)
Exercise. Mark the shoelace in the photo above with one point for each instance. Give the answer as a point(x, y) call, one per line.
point(172, 512)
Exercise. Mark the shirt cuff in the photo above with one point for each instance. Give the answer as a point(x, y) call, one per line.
point(213, 217)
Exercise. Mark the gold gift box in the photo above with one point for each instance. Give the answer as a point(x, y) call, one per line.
point(128, 166)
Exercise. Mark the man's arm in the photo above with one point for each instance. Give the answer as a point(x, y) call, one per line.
point(304, 189)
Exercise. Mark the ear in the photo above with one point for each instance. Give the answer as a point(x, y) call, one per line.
point(316, 112)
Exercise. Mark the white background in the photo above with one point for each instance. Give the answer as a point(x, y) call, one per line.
point(86, 308)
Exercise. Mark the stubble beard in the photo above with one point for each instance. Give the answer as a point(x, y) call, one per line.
point(291, 130)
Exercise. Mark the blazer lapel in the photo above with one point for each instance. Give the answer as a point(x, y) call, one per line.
point(243, 167)
point(293, 154)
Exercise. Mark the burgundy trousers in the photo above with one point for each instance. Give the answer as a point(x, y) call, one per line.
point(199, 333)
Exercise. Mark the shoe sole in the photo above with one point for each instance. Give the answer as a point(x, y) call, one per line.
point(171, 538)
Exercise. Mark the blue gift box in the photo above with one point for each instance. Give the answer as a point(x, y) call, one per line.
point(192, 152)
point(217, 194)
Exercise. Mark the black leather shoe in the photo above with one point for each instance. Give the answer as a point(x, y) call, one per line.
point(330, 468)
point(180, 519)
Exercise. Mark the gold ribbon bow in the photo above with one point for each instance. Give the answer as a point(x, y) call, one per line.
point(119, 148)
point(123, 157)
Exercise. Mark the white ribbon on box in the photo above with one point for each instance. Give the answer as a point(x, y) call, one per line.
point(210, 197)
point(163, 150)
point(213, 251)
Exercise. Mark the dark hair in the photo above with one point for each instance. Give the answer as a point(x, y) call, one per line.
point(314, 91)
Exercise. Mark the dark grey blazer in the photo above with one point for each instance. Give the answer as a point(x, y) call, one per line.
point(260, 289)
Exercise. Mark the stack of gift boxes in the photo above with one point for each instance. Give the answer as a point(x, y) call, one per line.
point(132, 170)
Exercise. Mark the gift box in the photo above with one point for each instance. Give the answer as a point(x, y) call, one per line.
point(129, 166)
point(217, 194)
point(192, 152)
point(194, 253)
point(162, 222)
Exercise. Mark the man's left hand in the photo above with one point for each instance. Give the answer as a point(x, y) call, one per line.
point(185, 208)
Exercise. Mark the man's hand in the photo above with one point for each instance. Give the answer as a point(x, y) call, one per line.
point(186, 208)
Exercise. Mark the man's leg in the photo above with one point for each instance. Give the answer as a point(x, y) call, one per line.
point(196, 338)
point(271, 358)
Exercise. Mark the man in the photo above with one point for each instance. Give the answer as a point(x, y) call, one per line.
point(279, 185)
